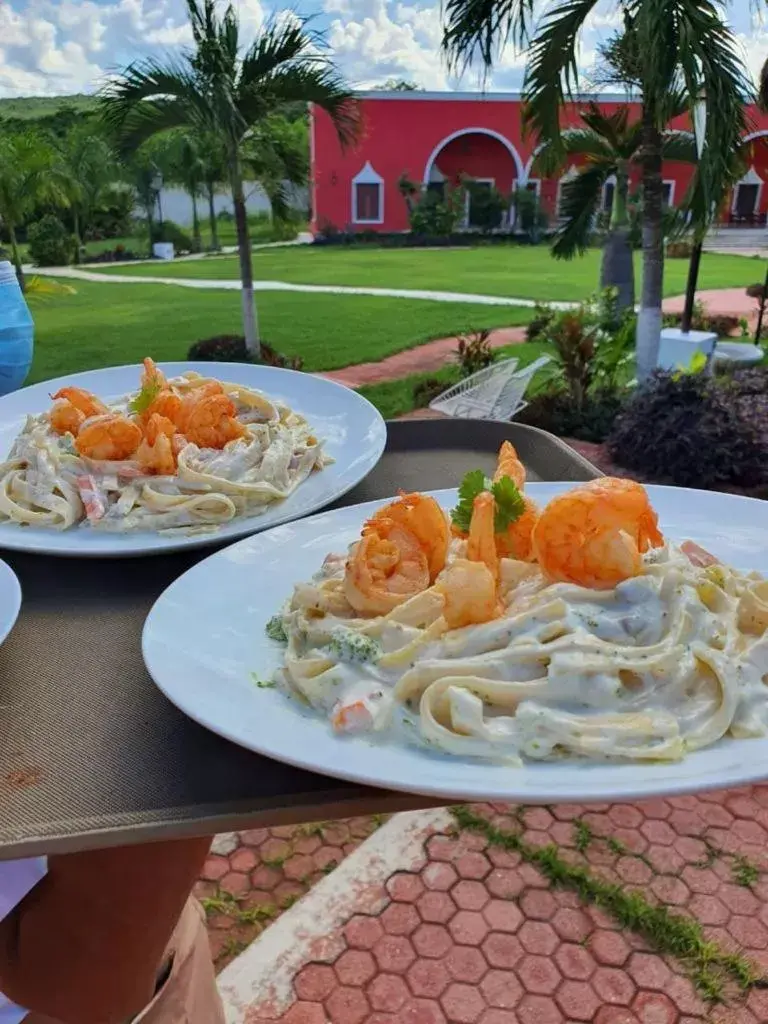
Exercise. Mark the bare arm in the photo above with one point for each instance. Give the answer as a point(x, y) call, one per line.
point(86, 944)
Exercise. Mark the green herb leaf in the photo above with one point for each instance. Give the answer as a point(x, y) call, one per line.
point(474, 483)
point(509, 503)
point(263, 684)
point(509, 500)
point(275, 629)
point(145, 397)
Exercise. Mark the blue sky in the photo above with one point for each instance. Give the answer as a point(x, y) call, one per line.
point(52, 47)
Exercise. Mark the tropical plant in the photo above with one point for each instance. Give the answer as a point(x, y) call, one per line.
point(488, 206)
point(42, 289)
point(674, 48)
point(608, 145)
point(218, 91)
point(88, 166)
point(29, 174)
point(187, 165)
point(50, 243)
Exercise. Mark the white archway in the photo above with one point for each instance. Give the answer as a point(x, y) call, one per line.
point(756, 135)
point(521, 175)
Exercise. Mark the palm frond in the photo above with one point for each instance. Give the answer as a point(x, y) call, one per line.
point(283, 40)
point(552, 71)
point(478, 30)
point(579, 203)
point(679, 146)
point(763, 86)
point(43, 289)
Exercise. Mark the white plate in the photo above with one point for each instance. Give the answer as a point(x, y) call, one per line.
point(354, 432)
point(10, 599)
point(204, 638)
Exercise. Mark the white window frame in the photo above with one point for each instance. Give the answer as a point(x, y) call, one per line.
point(477, 181)
point(608, 181)
point(750, 178)
point(671, 182)
point(367, 176)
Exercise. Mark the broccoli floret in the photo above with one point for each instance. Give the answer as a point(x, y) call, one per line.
point(275, 629)
point(347, 645)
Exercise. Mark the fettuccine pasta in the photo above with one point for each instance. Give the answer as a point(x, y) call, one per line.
point(187, 454)
point(564, 659)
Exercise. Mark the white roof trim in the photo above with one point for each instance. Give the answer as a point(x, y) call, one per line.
point(486, 97)
point(751, 178)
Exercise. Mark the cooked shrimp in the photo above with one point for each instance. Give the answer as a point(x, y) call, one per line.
point(469, 589)
point(594, 535)
point(156, 453)
point(385, 568)
point(72, 407)
point(481, 543)
point(109, 437)
point(509, 464)
point(517, 539)
point(152, 376)
point(167, 404)
point(208, 420)
point(424, 518)
point(65, 417)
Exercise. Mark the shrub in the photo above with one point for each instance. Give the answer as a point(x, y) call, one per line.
point(474, 352)
point(50, 244)
point(230, 348)
point(692, 430)
point(488, 206)
point(554, 411)
point(755, 291)
point(543, 316)
point(171, 232)
point(426, 390)
point(435, 216)
point(679, 250)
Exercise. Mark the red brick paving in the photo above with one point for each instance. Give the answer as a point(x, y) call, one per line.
point(473, 935)
point(251, 877)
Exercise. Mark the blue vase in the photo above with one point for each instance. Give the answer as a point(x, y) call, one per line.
point(16, 331)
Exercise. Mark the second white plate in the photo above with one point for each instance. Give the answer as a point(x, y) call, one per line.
point(10, 600)
point(353, 430)
point(204, 642)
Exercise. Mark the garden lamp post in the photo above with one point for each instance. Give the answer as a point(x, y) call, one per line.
point(157, 185)
point(700, 134)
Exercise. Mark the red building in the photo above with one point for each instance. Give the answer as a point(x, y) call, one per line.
point(436, 137)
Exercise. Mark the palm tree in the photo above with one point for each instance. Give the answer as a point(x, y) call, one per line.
point(218, 91)
point(29, 175)
point(609, 146)
point(188, 168)
point(89, 166)
point(681, 47)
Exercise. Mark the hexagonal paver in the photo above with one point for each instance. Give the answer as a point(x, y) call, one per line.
point(538, 904)
point(363, 932)
point(466, 963)
point(436, 907)
point(538, 1010)
point(315, 982)
point(405, 887)
point(347, 1005)
point(538, 974)
point(421, 1011)
point(428, 978)
point(399, 919)
point(577, 1000)
point(305, 1013)
point(502, 950)
point(571, 925)
point(613, 986)
point(575, 962)
point(355, 967)
point(504, 883)
point(633, 871)
point(670, 890)
point(444, 848)
point(470, 895)
point(462, 1003)
point(655, 1008)
point(431, 940)
point(493, 1016)
point(387, 992)
point(473, 865)
point(538, 937)
point(469, 927)
point(648, 971)
point(394, 954)
point(609, 947)
point(658, 832)
point(501, 989)
point(626, 815)
point(439, 876)
point(749, 932)
point(503, 916)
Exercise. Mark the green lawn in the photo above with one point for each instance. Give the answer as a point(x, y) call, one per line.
point(516, 271)
point(106, 325)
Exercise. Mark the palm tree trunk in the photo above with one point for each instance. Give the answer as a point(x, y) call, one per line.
point(250, 323)
point(649, 319)
point(213, 223)
point(15, 254)
point(617, 270)
point(78, 240)
point(150, 223)
point(196, 243)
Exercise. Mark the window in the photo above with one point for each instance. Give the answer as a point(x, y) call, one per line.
point(367, 197)
point(569, 175)
point(470, 211)
point(668, 193)
point(608, 189)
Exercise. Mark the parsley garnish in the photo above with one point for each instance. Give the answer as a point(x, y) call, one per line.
point(275, 629)
point(145, 397)
point(509, 500)
point(263, 684)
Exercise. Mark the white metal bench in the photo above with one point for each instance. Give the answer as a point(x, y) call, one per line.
point(494, 393)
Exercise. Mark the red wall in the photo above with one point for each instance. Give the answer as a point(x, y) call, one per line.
point(401, 133)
